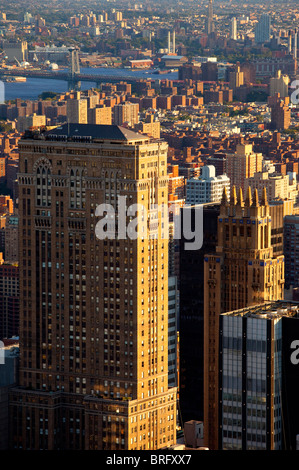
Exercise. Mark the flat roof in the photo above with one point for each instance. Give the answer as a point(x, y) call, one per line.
point(170, 57)
point(96, 131)
point(268, 310)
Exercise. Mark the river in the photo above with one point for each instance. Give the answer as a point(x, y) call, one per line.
point(33, 87)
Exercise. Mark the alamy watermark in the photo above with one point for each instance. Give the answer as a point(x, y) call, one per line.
point(295, 354)
point(2, 353)
point(2, 92)
point(295, 94)
point(137, 221)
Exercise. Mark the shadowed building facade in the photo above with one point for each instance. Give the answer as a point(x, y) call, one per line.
point(191, 325)
point(242, 272)
point(258, 374)
point(9, 300)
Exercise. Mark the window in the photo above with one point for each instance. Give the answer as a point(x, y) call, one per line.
point(77, 189)
point(43, 185)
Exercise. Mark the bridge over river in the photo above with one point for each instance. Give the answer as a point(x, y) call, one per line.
point(74, 80)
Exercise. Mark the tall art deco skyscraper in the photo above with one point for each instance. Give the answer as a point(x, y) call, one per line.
point(243, 272)
point(94, 309)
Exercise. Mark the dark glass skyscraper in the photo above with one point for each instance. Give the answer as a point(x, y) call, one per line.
point(191, 324)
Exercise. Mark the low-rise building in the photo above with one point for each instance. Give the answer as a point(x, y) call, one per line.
point(277, 185)
point(206, 188)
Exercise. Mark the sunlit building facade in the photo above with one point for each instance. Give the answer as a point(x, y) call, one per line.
point(94, 307)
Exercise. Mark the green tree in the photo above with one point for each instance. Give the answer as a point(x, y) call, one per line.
point(5, 126)
point(47, 95)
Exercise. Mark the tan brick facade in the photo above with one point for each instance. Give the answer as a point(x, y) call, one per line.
point(94, 313)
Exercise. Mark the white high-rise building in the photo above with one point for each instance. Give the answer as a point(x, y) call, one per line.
point(206, 188)
point(171, 46)
point(233, 29)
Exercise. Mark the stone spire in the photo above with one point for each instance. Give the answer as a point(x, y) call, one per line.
point(248, 200)
point(264, 201)
point(240, 197)
point(233, 196)
point(255, 200)
point(224, 199)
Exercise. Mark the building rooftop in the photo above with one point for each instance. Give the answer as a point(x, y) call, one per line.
point(86, 133)
point(173, 57)
point(269, 310)
point(199, 179)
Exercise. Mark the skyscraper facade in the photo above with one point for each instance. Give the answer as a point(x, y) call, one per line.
point(173, 308)
point(242, 272)
point(100, 115)
point(94, 315)
point(257, 377)
point(77, 110)
point(291, 248)
point(191, 323)
point(236, 78)
point(279, 84)
point(210, 28)
point(206, 188)
point(262, 32)
point(125, 113)
point(9, 300)
point(233, 29)
point(278, 186)
point(242, 164)
point(11, 239)
point(280, 112)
